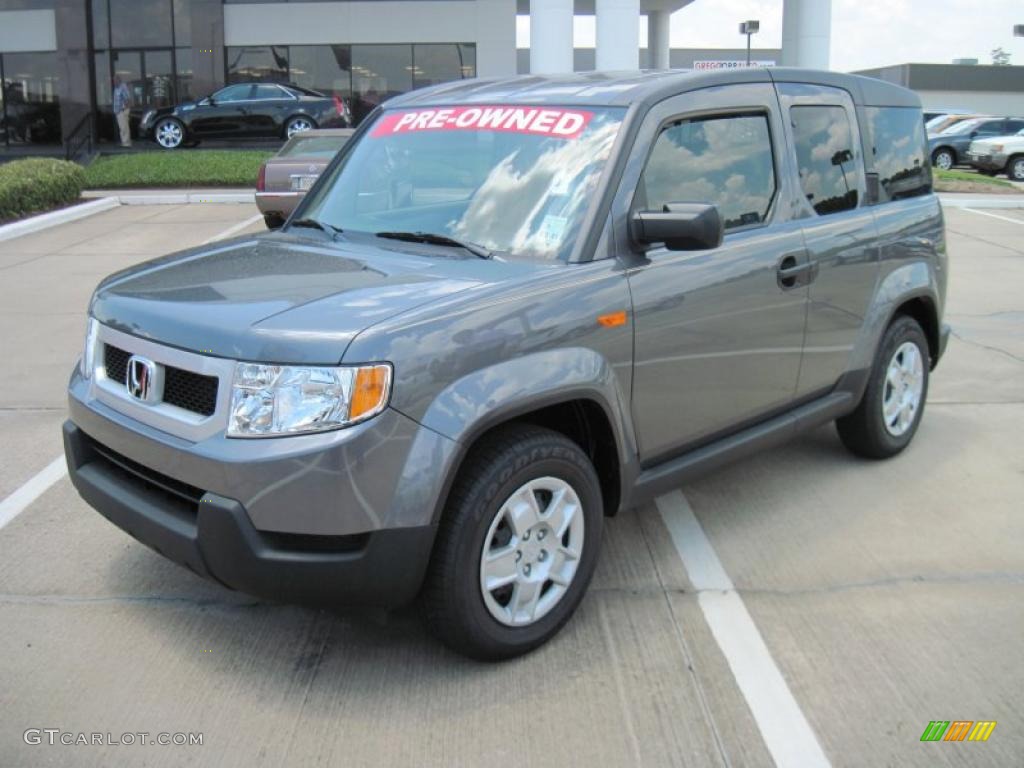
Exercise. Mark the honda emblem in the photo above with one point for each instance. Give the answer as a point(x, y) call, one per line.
point(141, 378)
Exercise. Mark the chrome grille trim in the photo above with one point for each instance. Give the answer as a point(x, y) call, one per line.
point(163, 416)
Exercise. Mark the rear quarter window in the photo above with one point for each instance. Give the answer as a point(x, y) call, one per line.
point(899, 146)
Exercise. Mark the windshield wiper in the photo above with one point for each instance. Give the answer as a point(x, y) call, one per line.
point(435, 239)
point(323, 226)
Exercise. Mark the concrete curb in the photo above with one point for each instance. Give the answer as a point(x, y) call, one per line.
point(953, 200)
point(170, 197)
point(53, 218)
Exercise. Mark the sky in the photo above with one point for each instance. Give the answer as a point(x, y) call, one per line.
point(865, 33)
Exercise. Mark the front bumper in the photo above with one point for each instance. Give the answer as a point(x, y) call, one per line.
point(279, 203)
point(213, 536)
point(987, 162)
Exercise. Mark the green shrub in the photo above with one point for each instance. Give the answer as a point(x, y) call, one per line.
point(181, 168)
point(38, 184)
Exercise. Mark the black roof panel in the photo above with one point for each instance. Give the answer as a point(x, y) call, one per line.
point(627, 88)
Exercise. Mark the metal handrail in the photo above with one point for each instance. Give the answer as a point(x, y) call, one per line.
point(80, 135)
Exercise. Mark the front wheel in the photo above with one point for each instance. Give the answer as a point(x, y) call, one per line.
point(169, 133)
point(891, 409)
point(517, 545)
point(943, 159)
point(298, 125)
point(1015, 168)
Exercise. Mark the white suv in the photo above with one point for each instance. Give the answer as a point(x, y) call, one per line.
point(1001, 153)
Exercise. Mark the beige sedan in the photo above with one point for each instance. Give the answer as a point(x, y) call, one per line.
point(286, 177)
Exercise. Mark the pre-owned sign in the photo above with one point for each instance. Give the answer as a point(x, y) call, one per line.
point(730, 64)
point(542, 121)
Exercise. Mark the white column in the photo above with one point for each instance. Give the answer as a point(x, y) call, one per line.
point(618, 34)
point(551, 36)
point(806, 33)
point(658, 38)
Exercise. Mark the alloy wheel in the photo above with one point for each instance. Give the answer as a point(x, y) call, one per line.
point(1017, 171)
point(298, 125)
point(902, 389)
point(944, 160)
point(531, 551)
point(169, 134)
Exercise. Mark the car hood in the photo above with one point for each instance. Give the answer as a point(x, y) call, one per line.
point(278, 297)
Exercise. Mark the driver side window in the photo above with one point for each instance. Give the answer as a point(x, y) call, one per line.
point(724, 161)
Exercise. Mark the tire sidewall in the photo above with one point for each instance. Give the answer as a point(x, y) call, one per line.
point(902, 330)
point(538, 460)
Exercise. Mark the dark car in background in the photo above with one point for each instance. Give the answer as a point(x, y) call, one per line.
point(242, 111)
point(285, 178)
point(950, 147)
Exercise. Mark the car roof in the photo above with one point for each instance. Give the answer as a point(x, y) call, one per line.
point(631, 87)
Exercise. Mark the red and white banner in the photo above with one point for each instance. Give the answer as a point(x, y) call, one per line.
point(538, 121)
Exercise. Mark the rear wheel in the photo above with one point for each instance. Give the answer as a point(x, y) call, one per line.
point(891, 409)
point(169, 133)
point(517, 544)
point(298, 125)
point(1015, 168)
point(943, 159)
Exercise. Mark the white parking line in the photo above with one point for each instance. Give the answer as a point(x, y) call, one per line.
point(234, 229)
point(14, 504)
point(786, 732)
point(993, 215)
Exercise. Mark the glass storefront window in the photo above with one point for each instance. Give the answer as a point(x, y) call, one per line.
point(378, 73)
point(442, 62)
point(140, 24)
point(31, 109)
point(258, 62)
point(184, 63)
point(324, 68)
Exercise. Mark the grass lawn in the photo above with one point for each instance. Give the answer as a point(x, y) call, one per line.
point(969, 181)
point(183, 168)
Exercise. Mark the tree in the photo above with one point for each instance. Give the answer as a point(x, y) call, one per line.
point(1000, 58)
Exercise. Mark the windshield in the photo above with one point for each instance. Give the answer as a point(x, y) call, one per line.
point(313, 146)
point(513, 179)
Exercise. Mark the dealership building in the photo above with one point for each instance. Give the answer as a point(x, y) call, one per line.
point(58, 57)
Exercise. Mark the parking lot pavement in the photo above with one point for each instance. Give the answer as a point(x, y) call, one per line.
point(887, 594)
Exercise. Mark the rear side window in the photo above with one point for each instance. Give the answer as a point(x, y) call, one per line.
point(826, 158)
point(725, 161)
point(900, 151)
point(269, 92)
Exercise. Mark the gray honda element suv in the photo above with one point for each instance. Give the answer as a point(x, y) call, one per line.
point(507, 309)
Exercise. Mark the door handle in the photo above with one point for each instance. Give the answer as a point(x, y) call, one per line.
point(793, 272)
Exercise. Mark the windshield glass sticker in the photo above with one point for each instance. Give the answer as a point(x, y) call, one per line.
point(539, 121)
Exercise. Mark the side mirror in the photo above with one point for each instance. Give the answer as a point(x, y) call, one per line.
point(974, 133)
point(680, 226)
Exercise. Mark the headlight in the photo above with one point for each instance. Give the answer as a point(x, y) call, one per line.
point(997, 148)
point(148, 115)
point(273, 400)
point(88, 361)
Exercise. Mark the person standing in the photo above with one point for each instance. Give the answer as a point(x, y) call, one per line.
point(122, 99)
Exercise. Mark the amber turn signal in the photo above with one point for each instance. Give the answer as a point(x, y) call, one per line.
point(369, 391)
point(612, 319)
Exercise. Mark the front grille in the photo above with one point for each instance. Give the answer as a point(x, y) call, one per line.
point(192, 391)
point(184, 497)
point(116, 363)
